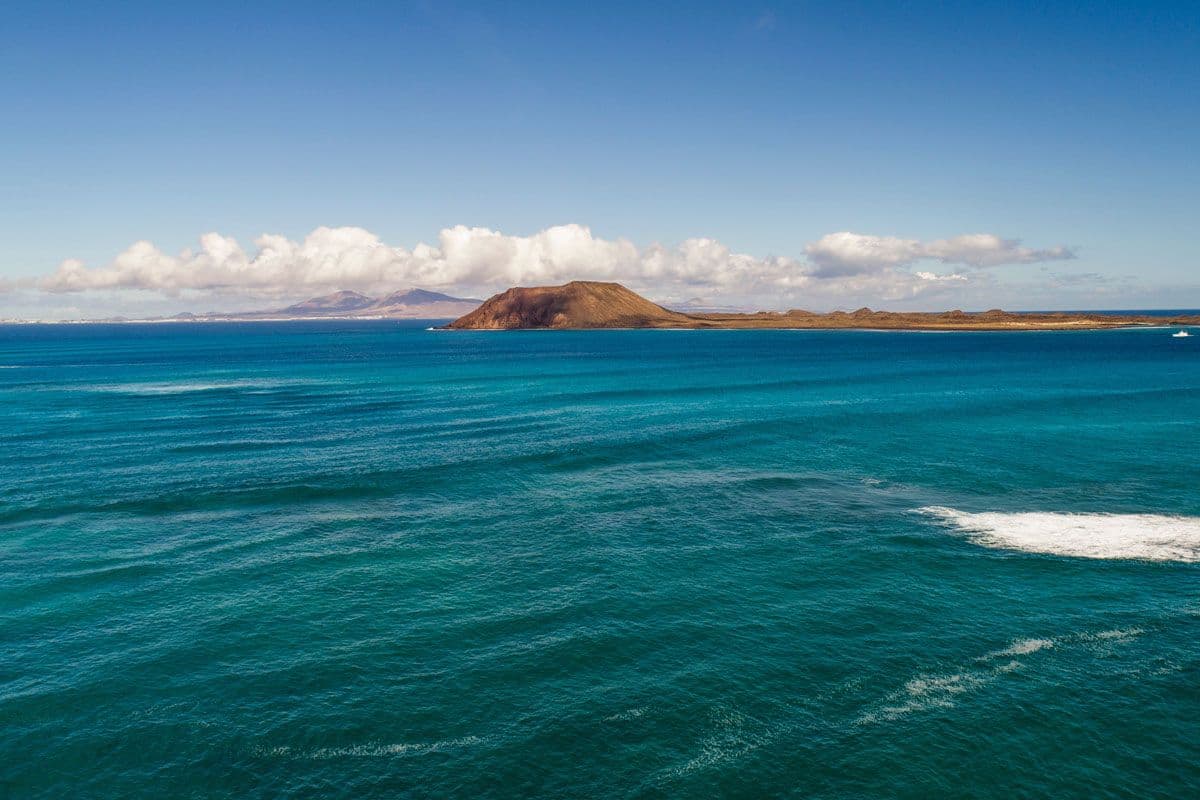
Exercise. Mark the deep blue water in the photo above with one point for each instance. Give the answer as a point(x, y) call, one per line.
point(358, 559)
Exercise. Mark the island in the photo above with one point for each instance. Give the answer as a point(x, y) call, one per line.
point(595, 304)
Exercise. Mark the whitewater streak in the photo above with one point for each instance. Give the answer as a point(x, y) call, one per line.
point(1147, 537)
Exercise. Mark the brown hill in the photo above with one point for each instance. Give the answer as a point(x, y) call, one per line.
point(590, 304)
point(578, 304)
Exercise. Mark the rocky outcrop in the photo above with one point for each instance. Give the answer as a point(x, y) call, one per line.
point(578, 304)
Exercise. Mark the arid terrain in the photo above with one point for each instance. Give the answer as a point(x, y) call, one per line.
point(592, 304)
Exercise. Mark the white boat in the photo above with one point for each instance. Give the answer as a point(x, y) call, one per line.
point(1181, 334)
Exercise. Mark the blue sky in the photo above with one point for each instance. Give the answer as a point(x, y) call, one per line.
point(762, 127)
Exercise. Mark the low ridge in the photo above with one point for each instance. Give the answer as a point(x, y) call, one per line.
point(338, 301)
point(419, 297)
point(405, 304)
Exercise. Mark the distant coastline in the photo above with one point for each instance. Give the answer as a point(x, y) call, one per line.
point(344, 305)
point(204, 320)
point(589, 305)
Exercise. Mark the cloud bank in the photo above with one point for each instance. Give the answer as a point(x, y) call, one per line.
point(854, 253)
point(478, 259)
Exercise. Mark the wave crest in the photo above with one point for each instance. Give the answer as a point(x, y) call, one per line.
point(1146, 537)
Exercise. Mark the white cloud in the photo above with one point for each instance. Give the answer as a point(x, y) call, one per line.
point(989, 250)
point(929, 276)
point(846, 253)
point(353, 258)
point(477, 260)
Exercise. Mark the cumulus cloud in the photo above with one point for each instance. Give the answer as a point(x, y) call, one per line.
point(354, 258)
point(846, 253)
point(479, 259)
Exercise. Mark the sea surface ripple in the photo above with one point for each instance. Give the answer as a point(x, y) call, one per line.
point(365, 559)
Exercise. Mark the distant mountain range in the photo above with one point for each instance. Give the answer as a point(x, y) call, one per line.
point(408, 304)
point(700, 305)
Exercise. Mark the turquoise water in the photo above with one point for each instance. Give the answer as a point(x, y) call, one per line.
point(370, 560)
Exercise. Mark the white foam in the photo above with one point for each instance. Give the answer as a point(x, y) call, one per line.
point(733, 735)
point(1024, 647)
point(185, 387)
point(1116, 635)
point(371, 750)
point(625, 716)
point(170, 388)
point(1147, 537)
point(931, 691)
point(926, 693)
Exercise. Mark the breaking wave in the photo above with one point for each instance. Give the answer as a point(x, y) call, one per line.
point(1147, 537)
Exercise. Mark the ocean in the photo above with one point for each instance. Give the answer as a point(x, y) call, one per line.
point(366, 559)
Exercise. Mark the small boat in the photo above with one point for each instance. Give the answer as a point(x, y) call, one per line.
point(1180, 335)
